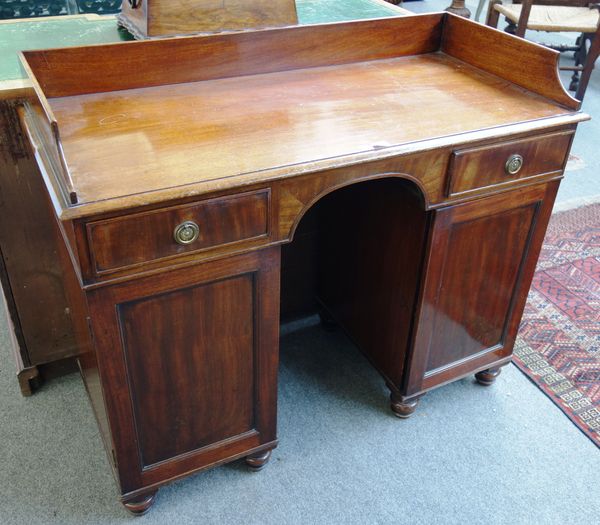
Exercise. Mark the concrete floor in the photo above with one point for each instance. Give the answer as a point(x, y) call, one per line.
point(469, 455)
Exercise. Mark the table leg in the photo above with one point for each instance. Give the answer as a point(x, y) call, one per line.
point(457, 7)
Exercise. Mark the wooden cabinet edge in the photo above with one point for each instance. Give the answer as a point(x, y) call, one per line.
point(91, 282)
point(247, 181)
point(504, 47)
point(499, 189)
point(46, 155)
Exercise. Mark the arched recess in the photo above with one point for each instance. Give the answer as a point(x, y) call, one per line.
point(324, 187)
point(358, 253)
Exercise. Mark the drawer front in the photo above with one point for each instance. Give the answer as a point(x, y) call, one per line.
point(474, 169)
point(143, 237)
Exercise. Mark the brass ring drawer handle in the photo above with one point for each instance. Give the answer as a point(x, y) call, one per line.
point(513, 164)
point(186, 233)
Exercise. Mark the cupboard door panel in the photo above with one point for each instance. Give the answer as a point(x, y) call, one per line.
point(480, 263)
point(478, 283)
point(190, 366)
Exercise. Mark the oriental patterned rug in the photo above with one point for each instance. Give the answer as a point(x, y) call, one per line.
point(559, 340)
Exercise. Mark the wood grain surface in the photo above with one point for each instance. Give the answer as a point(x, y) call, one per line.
point(92, 69)
point(118, 243)
point(525, 63)
point(379, 230)
point(140, 141)
point(475, 169)
point(378, 147)
point(166, 363)
point(480, 262)
point(177, 17)
point(287, 101)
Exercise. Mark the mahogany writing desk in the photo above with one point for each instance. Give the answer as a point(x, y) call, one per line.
point(387, 172)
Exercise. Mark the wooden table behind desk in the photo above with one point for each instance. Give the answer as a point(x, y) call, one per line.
point(31, 274)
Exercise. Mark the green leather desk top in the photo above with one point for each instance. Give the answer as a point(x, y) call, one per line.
point(81, 30)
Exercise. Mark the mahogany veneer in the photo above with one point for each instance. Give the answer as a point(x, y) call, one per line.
point(386, 172)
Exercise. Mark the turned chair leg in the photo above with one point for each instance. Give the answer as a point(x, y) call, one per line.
point(588, 64)
point(258, 460)
point(487, 377)
point(492, 15)
point(580, 57)
point(141, 504)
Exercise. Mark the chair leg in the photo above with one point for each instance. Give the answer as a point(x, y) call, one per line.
point(492, 15)
point(588, 64)
point(578, 45)
point(579, 56)
point(511, 27)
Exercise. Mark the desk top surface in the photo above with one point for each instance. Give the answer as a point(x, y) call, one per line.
point(240, 109)
point(141, 140)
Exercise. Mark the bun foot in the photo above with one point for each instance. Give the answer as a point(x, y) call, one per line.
point(258, 461)
point(487, 377)
point(141, 504)
point(29, 380)
point(403, 409)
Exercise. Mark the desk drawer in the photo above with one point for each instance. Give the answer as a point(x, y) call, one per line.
point(142, 237)
point(477, 168)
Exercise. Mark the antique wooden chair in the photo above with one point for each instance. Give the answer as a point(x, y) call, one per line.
point(562, 16)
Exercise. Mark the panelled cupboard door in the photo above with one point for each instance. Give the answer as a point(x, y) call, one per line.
point(481, 260)
point(188, 361)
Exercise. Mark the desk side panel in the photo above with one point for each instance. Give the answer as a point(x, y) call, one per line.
point(371, 245)
point(529, 65)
